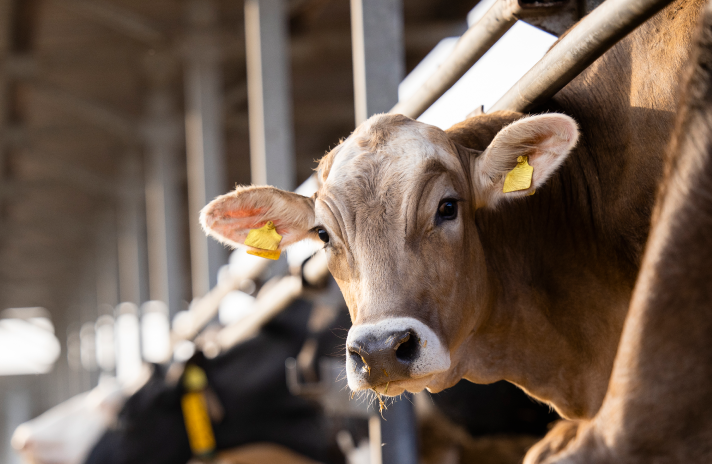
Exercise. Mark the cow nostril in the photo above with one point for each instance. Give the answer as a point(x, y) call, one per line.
point(359, 361)
point(407, 348)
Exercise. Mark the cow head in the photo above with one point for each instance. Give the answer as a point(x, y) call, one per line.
point(396, 212)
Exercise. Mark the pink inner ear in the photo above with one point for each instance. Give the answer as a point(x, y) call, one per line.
point(242, 213)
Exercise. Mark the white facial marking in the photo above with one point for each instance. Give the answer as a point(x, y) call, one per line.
point(407, 147)
point(433, 356)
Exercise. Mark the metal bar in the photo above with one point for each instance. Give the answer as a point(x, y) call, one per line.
point(583, 45)
point(379, 64)
point(162, 136)
point(107, 260)
point(269, 94)
point(378, 56)
point(204, 138)
point(130, 226)
point(267, 306)
point(473, 44)
point(206, 308)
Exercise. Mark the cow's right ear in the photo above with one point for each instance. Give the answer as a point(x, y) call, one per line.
point(230, 217)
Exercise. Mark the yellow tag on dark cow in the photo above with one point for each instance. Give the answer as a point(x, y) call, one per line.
point(266, 239)
point(519, 178)
point(195, 412)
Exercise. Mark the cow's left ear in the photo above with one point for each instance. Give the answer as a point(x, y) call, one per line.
point(229, 218)
point(545, 140)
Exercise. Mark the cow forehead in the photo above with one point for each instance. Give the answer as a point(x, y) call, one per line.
point(396, 154)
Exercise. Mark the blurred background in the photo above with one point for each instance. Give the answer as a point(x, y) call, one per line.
point(121, 119)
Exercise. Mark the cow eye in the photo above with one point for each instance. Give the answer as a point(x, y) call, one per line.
point(447, 209)
point(323, 235)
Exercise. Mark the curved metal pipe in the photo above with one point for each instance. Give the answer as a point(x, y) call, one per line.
point(472, 45)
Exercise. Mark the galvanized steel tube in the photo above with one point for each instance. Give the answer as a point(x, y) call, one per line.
point(472, 45)
point(583, 45)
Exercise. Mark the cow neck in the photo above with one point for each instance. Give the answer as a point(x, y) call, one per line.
point(566, 258)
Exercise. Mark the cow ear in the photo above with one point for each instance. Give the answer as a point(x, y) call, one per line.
point(546, 140)
point(230, 217)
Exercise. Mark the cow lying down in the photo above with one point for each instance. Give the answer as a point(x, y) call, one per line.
point(451, 271)
point(658, 408)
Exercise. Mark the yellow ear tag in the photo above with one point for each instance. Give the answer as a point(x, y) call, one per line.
point(519, 178)
point(266, 239)
point(195, 412)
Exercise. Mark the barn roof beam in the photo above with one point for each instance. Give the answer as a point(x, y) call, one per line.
point(98, 114)
point(56, 171)
point(61, 176)
point(124, 21)
point(62, 226)
point(26, 69)
point(20, 135)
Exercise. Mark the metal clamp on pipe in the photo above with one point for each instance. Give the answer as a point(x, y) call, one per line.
point(472, 45)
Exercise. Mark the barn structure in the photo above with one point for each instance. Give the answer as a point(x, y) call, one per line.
point(121, 119)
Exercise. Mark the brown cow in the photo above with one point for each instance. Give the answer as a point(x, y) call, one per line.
point(447, 277)
point(658, 408)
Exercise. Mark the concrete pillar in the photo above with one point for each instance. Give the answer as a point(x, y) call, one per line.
point(269, 94)
point(162, 133)
point(378, 55)
point(204, 138)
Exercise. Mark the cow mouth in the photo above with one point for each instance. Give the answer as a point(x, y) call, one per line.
point(398, 387)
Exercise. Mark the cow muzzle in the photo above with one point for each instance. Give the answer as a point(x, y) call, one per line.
point(400, 350)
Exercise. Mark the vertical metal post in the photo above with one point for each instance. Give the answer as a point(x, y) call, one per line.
point(204, 144)
point(107, 272)
point(132, 272)
point(269, 94)
point(7, 15)
point(162, 135)
point(399, 432)
point(17, 409)
point(379, 63)
point(378, 56)
point(375, 439)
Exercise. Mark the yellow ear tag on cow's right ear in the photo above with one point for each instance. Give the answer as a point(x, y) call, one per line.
point(266, 239)
point(519, 178)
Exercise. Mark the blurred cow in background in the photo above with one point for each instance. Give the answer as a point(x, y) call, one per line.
point(255, 405)
point(256, 419)
point(66, 433)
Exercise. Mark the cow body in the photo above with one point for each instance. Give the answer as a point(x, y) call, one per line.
point(446, 276)
point(657, 408)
